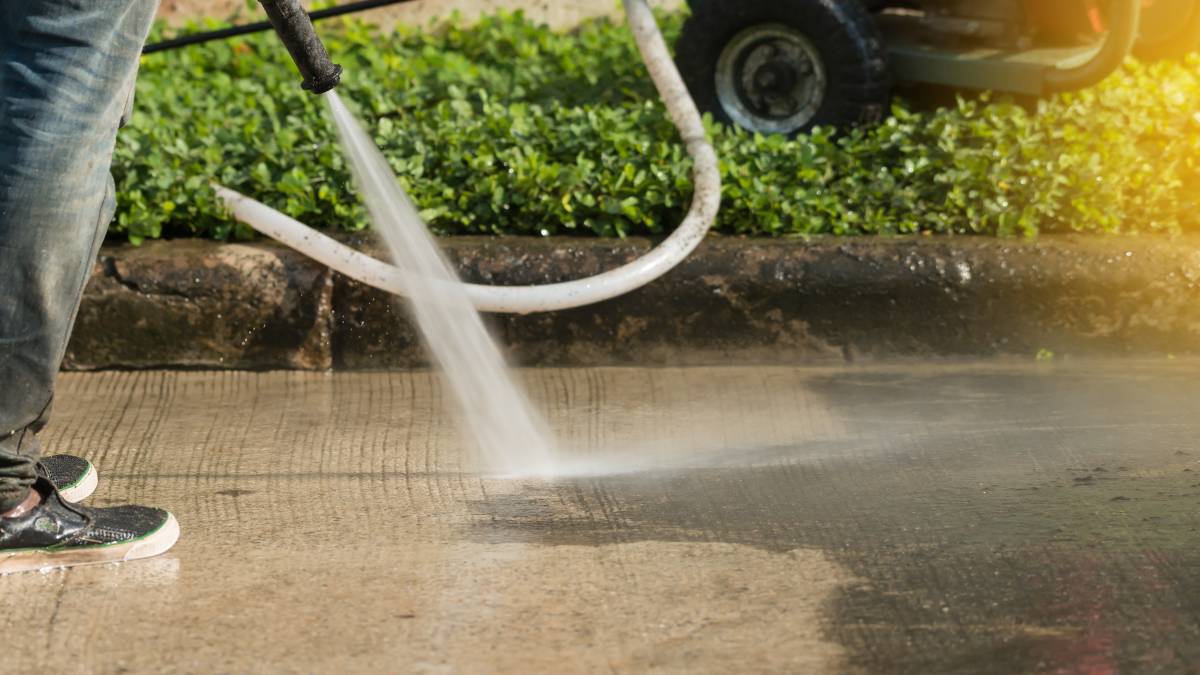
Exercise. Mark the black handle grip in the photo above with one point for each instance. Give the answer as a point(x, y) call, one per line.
point(296, 30)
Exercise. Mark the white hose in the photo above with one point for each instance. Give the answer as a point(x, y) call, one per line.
point(706, 202)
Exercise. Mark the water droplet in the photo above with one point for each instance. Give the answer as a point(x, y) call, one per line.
point(964, 271)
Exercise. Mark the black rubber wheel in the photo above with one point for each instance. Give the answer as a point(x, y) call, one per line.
point(784, 66)
point(1170, 30)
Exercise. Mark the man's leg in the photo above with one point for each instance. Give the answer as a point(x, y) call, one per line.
point(66, 73)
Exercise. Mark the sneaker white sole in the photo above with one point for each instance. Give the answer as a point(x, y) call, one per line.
point(83, 488)
point(29, 560)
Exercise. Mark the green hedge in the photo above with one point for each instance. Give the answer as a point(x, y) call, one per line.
point(509, 127)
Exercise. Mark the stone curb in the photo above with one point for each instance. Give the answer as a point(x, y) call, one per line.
point(195, 304)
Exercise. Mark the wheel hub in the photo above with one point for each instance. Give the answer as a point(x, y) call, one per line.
point(770, 79)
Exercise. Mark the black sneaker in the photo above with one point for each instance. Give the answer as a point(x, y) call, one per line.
point(56, 534)
point(75, 477)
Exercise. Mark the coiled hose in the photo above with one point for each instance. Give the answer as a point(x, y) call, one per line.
point(705, 204)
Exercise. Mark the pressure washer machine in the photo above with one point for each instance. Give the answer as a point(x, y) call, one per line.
point(784, 66)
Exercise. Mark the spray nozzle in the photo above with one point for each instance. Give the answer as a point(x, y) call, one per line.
point(296, 30)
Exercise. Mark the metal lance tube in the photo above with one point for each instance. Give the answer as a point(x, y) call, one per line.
point(296, 30)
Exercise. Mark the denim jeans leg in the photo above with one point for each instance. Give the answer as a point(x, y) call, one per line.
point(67, 69)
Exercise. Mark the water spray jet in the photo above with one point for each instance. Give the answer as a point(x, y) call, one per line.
point(510, 436)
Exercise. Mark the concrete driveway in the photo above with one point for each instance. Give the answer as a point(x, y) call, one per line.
point(994, 517)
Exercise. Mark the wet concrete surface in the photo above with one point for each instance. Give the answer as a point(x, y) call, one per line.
point(916, 518)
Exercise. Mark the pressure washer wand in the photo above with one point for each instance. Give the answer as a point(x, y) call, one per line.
point(296, 30)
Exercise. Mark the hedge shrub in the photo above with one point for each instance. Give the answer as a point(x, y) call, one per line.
point(508, 127)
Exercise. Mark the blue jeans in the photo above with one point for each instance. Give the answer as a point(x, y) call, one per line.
point(67, 69)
